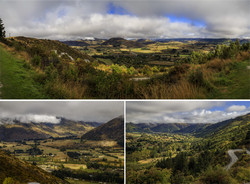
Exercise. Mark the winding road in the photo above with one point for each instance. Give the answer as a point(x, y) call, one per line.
point(233, 157)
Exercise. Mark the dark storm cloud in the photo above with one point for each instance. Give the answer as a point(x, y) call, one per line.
point(46, 111)
point(182, 111)
point(73, 19)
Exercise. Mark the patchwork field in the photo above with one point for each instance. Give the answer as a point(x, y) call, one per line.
point(57, 156)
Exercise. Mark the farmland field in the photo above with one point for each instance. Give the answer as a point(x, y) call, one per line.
point(57, 156)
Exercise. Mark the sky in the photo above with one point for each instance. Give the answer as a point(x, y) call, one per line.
point(49, 111)
point(76, 19)
point(184, 111)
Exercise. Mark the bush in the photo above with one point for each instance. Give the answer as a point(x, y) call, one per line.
point(17, 46)
point(217, 175)
point(10, 180)
point(36, 60)
point(196, 77)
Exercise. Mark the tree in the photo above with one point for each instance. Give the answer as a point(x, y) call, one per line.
point(2, 31)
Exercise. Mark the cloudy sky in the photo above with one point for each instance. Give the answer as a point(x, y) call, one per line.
point(40, 111)
point(184, 111)
point(73, 19)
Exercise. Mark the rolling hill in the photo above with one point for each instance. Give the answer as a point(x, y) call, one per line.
point(17, 131)
point(117, 42)
point(80, 43)
point(165, 127)
point(112, 130)
point(23, 172)
point(44, 47)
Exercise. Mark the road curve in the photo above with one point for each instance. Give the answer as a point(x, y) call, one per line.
point(233, 157)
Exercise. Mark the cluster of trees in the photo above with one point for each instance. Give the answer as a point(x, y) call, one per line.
point(221, 51)
point(110, 177)
point(186, 164)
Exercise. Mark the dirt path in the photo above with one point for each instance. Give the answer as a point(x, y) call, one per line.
point(233, 157)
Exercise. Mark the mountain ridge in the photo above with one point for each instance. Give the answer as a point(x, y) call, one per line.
point(18, 131)
point(112, 130)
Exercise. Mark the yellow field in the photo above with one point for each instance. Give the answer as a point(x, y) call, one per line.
point(75, 166)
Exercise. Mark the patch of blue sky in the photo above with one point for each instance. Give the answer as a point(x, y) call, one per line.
point(197, 23)
point(61, 13)
point(117, 10)
point(230, 103)
point(245, 103)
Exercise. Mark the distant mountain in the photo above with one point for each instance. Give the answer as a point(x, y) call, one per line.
point(23, 172)
point(118, 42)
point(236, 130)
point(80, 43)
point(145, 41)
point(17, 131)
point(164, 127)
point(112, 130)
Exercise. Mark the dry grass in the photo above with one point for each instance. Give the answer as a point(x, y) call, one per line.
point(101, 143)
point(68, 90)
point(180, 90)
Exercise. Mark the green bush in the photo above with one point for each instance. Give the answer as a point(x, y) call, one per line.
point(217, 175)
point(9, 180)
point(196, 77)
point(36, 60)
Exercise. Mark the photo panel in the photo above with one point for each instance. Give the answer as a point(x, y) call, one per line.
point(187, 142)
point(57, 142)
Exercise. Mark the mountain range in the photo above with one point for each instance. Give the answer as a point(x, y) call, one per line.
point(18, 131)
point(198, 129)
point(112, 130)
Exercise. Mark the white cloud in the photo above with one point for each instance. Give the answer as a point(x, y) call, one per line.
point(47, 111)
point(182, 111)
point(147, 19)
point(236, 108)
point(37, 118)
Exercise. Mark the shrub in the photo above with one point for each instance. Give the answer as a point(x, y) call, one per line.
point(17, 46)
point(10, 180)
point(196, 77)
point(36, 60)
point(217, 175)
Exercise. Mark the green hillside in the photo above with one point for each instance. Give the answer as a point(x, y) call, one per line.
point(22, 172)
point(188, 156)
point(165, 127)
point(18, 78)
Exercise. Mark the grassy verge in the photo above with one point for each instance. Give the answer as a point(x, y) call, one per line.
point(236, 84)
point(17, 78)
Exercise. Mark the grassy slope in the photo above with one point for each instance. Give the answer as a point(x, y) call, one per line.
point(239, 83)
point(16, 79)
point(23, 172)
